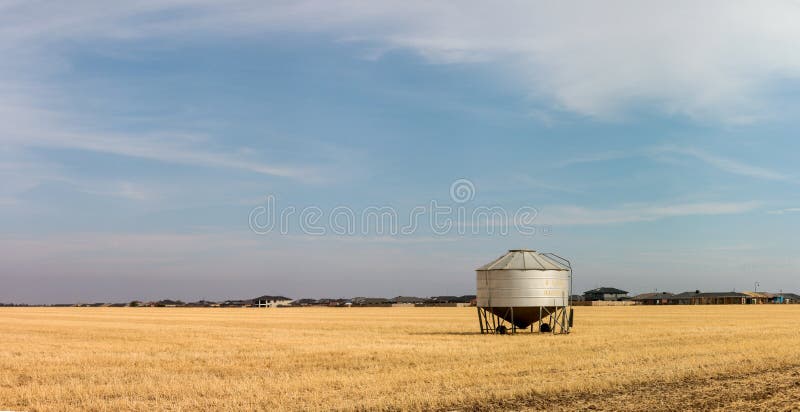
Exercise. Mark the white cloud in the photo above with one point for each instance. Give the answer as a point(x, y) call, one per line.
point(712, 59)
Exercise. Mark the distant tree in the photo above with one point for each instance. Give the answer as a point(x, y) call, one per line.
point(135, 303)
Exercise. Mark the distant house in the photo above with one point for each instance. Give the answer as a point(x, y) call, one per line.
point(305, 302)
point(362, 301)
point(723, 298)
point(655, 298)
point(709, 298)
point(202, 304)
point(408, 300)
point(452, 299)
point(786, 298)
point(758, 297)
point(236, 304)
point(268, 301)
point(685, 298)
point(444, 299)
point(331, 302)
point(605, 293)
point(168, 303)
point(471, 299)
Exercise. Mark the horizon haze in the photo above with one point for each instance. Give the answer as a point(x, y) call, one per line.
point(167, 149)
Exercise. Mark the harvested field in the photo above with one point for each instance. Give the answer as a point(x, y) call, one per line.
point(617, 358)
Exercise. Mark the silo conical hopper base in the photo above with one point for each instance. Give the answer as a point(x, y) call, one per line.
point(522, 317)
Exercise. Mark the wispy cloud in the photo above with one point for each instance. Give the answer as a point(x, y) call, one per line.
point(526, 181)
point(576, 215)
point(724, 164)
point(166, 149)
point(784, 211)
point(124, 190)
point(603, 156)
point(25, 123)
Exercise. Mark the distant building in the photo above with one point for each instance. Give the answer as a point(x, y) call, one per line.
point(456, 301)
point(202, 304)
point(758, 297)
point(408, 300)
point(655, 298)
point(786, 298)
point(709, 298)
point(452, 299)
point(236, 304)
point(168, 303)
point(362, 301)
point(685, 298)
point(268, 301)
point(305, 302)
point(605, 293)
point(322, 302)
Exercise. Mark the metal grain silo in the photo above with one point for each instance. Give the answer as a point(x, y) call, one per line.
point(523, 288)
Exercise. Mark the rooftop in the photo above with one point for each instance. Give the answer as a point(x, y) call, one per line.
point(653, 295)
point(698, 294)
point(269, 297)
point(604, 289)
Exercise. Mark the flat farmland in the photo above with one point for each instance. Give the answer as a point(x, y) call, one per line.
point(616, 358)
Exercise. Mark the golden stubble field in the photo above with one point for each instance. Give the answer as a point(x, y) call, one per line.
point(638, 358)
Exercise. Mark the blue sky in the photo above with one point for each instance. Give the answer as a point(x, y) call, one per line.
point(658, 146)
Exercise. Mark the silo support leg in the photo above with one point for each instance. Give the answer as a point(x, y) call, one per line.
point(513, 325)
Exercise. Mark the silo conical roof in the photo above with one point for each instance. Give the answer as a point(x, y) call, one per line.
point(523, 259)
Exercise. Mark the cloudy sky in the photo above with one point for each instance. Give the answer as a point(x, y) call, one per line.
point(657, 144)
